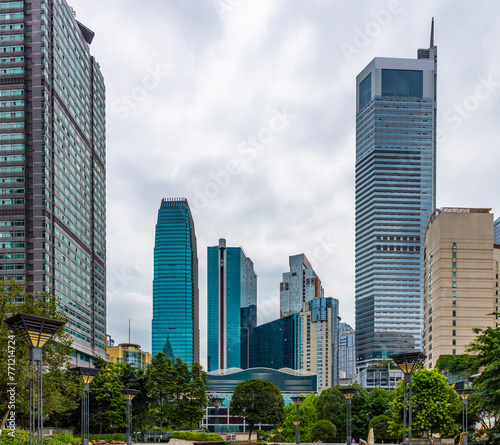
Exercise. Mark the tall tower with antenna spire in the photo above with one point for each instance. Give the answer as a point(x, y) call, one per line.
point(395, 197)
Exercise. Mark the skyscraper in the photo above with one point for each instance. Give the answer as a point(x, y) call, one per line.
point(347, 360)
point(299, 285)
point(395, 197)
point(175, 285)
point(52, 167)
point(232, 306)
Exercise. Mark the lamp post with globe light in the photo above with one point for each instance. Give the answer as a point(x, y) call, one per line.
point(298, 401)
point(464, 395)
point(217, 402)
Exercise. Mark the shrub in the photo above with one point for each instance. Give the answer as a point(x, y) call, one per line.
point(198, 437)
point(66, 438)
point(325, 431)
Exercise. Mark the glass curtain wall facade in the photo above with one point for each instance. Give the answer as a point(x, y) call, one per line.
point(275, 344)
point(395, 196)
point(347, 360)
point(232, 306)
point(52, 164)
point(175, 326)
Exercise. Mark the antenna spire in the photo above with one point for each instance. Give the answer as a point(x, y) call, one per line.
point(432, 33)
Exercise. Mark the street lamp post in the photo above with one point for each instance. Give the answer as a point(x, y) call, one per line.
point(216, 401)
point(348, 392)
point(87, 375)
point(464, 395)
point(129, 394)
point(271, 435)
point(280, 430)
point(408, 362)
point(298, 401)
point(35, 332)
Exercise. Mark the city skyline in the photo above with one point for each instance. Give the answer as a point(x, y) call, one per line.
point(194, 99)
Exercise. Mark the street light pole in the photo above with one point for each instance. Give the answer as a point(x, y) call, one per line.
point(298, 401)
point(129, 394)
point(87, 375)
point(35, 332)
point(348, 392)
point(279, 432)
point(464, 395)
point(408, 362)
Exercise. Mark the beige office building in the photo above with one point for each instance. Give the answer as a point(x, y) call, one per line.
point(460, 279)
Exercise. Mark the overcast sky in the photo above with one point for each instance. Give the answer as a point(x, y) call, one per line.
point(247, 109)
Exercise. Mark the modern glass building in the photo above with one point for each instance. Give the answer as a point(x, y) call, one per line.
point(53, 164)
point(275, 344)
point(496, 229)
point(175, 285)
point(299, 285)
point(232, 306)
point(347, 356)
point(395, 197)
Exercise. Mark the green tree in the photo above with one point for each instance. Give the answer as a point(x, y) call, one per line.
point(325, 431)
point(258, 401)
point(108, 406)
point(196, 395)
point(179, 392)
point(61, 391)
point(159, 375)
point(435, 405)
point(308, 417)
point(380, 425)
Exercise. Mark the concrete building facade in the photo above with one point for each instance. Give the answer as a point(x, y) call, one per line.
point(319, 331)
point(461, 279)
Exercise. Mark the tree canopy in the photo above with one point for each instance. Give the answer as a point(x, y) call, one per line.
point(435, 405)
point(258, 401)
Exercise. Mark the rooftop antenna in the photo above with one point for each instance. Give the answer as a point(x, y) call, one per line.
point(432, 33)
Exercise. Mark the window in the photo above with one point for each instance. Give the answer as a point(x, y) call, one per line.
point(454, 342)
point(454, 275)
point(454, 245)
point(454, 333)
point(454, 323)
point(454, 254)
point(454, 293)
point(454, 313)
point(454, 352)
point(365, 91)
point(454, 265)
point(454, 304)
point(454, 284)
point(407, 83)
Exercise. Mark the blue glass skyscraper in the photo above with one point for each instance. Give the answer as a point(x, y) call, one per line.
point(232, 306)
point(175, 285)
point(395, 196)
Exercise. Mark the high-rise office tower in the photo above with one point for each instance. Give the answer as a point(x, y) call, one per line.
point(319, 334)
point(232, 306)
point(175, 284)
point(299, 285)
point(347, 359)
point(496, 228)
point(53, 164)
point(461, 280)
point(395, 197)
